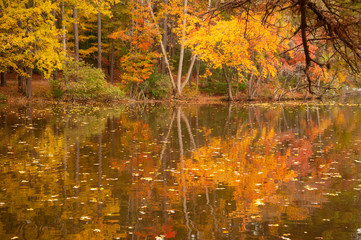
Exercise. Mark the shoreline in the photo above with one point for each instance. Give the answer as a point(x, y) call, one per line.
point(41, 95)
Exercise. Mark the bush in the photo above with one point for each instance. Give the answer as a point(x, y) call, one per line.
point(157, 86)
point(82, 81)
point(216, 87)
point(3, 98)
point(56, 90)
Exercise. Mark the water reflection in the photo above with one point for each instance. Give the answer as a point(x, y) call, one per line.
point(181, 172)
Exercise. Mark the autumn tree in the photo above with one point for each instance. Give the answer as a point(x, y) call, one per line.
point(29, 39)
point(246, 46)
point(330, 23)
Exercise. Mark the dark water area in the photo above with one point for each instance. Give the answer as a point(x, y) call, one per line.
point(153, 171)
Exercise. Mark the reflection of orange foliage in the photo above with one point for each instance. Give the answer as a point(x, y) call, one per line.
point(251, 166)
point(168, 230)
point(120, 166)
point(296, 213)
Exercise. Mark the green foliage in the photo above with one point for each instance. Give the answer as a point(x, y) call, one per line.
point(3, 98)
point(82, 81)
point(215, 87)
point(157, 86)
point(57, 91)
point(190, 92)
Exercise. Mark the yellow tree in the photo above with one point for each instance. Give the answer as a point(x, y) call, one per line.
point(245, 45)
point(29, 39)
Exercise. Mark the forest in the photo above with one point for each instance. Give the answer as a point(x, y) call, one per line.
point(181, 49)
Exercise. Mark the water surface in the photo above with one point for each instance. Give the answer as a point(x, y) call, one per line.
point(153, 171)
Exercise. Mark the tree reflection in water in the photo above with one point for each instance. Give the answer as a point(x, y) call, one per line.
point(150, 171)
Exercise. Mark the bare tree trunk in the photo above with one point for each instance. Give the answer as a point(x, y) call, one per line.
point(306, 49)
point(188, 77)
point(163, 49)
point(20, 84)
point(171, 41)
point(197, 76)
point(250, 86)
point(28, 92)
point(181, 56)
point(63, 27)
point(165, 37)
point(76, 33)
point(99, 37)
point(3, 79)
point(230, 97)
point(56, 71)
point(112, 62)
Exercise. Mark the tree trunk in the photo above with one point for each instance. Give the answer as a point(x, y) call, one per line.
point(28, 92)
point(3, 79)
point(55, 73)
point(76, 33)
point(188, 77)
point(63, 27)
point(197, 76)
point(112, 62)
point(163, 49)
point(99, 38)
point(250, 86)
point(171, 41)
point(230, 97)
point(20, 84)
point(306, 49)
point(165, 38)
point(181, 56)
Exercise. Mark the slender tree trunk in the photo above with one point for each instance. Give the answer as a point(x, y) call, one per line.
point(171, 41)
point(306, 49)
point(20, 84)
point(181, 56)
point(230, 97)
point(188, 77)
point(56, 71)
point(163, 50)
point(165, 38)
point(112, 62)
point(112, 54)
point(197, 76)
point(76, 33)
point(3, 79)
point(28, 92)
point(99, 37)
point(63, 27)
point(250, 86)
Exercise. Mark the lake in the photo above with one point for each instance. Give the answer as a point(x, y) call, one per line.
point(158, 171)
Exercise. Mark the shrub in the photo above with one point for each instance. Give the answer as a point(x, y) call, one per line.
point(56, 89)
point(3, 98)
point(82, 81)
point(157, 86)
point(216, 87)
